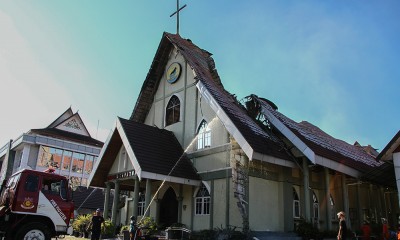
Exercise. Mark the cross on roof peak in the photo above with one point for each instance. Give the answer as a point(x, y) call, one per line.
point(178, 9)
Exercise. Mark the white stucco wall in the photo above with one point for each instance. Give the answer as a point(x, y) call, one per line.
point(120, 163)
point(264, 201)
point(210, 162)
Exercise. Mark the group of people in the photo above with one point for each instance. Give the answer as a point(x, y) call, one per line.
point(366, 229)
point(97, 221)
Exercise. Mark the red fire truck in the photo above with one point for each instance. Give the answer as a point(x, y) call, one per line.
point(35, 205)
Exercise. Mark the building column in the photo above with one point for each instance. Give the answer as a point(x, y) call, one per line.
point(246, 226)
point(25, 157)
point(306, 186)
point(372, 204)
point(346, 200)
point(180, 205)
point(328, 200)
point(286, 198)
point(382, 190)
point(192, 206)
point(106, 199)
point(8, 163)
point(396, 163)
point(136, 197)
point(227, 201)
point(359, 207)
point(147, 198)
point(157, 201)
point(115, 203)
point(212, 204)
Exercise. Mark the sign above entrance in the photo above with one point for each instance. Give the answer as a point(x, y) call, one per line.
point(121, 175)
point(173, 72)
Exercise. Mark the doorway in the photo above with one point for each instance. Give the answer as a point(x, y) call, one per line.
point(169, 208)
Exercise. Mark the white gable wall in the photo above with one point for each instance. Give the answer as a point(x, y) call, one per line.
point(74, 125)
point(67, 114)
point(121, 163)
point(193, 108)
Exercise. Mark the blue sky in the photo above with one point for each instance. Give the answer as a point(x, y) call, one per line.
point(332, 63)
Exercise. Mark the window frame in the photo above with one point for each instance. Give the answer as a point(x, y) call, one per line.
point(203, 135)
point(202, 201)
point(296, 203)
point(173, 107)
point(141, 204)
point(315, 206)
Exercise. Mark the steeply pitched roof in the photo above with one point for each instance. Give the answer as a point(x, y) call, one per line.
point(204, 68)
point(65, 115)
point(323, 144)
point(69, 136)
point(157, 150)
point(152, 151)
point(55, 130)
point(90, 198)
point(392, 146)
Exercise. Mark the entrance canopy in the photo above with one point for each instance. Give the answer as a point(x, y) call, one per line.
point(154, 153)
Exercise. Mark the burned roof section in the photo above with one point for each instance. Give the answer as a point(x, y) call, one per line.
point(322, 143)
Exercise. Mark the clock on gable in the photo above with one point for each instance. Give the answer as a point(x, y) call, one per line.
point(173, 72)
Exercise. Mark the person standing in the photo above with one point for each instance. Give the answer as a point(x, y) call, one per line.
point(95, 224)
point(366, 229)
point(342, 226)
point(132, 228)
point(385, 229)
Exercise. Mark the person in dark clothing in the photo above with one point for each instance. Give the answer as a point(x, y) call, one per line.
point(366, 229)
point(95, 224)
point(132, 228)
point(342, 226)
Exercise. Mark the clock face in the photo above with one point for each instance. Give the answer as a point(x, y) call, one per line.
point(173, 72)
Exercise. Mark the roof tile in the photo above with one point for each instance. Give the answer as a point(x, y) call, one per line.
point(158, 150)
point(323, 144)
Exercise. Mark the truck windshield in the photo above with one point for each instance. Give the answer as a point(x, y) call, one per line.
point(55, 187)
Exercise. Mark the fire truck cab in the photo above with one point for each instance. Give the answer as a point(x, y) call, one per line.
point(35, 205)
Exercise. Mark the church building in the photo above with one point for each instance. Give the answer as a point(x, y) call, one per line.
point(191, 153)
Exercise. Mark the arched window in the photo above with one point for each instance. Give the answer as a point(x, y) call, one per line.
point(296, 204)
point(141, 204)
point(202, 201)
point(315, 206)
point(173, 111)
point(203, 135)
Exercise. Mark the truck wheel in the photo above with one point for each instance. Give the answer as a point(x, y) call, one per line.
point(33, 231)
